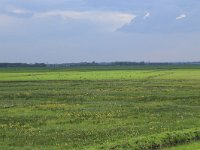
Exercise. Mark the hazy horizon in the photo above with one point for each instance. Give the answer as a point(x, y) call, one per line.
point(65, 31)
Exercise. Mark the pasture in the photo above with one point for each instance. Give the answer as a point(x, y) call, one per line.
point(99, 107)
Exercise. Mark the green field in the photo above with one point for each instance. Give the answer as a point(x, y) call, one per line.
point(99, 107)
point(190, 146)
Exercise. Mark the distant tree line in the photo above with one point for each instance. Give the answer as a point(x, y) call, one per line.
point(120, 64)
point(22, 65)
point(95, 64)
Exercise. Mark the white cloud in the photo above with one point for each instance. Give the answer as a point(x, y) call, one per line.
point(16, 10)
point(147, 15)
point(113, 20)
point(19, 11)
point(181, 16)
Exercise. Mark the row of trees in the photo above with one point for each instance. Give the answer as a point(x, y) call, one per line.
point(22, 65)
point(93, 64)
point(120, 64)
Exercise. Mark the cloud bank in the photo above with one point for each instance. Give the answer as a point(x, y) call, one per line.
point(99, 30)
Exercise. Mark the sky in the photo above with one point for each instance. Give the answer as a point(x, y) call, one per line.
point(64, 31)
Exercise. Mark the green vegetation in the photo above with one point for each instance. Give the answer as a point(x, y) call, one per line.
point(190, 146)
point(99, 108)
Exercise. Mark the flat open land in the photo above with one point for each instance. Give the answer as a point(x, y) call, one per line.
point(99, 107)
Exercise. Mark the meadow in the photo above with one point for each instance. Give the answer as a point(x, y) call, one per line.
point(141, 107)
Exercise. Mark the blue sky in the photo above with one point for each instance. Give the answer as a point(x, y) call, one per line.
point(99, 30)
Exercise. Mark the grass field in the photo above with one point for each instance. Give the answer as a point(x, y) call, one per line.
point(190, 146)
point(99, 108)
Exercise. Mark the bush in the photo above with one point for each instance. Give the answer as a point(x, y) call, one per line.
point(162, 140)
